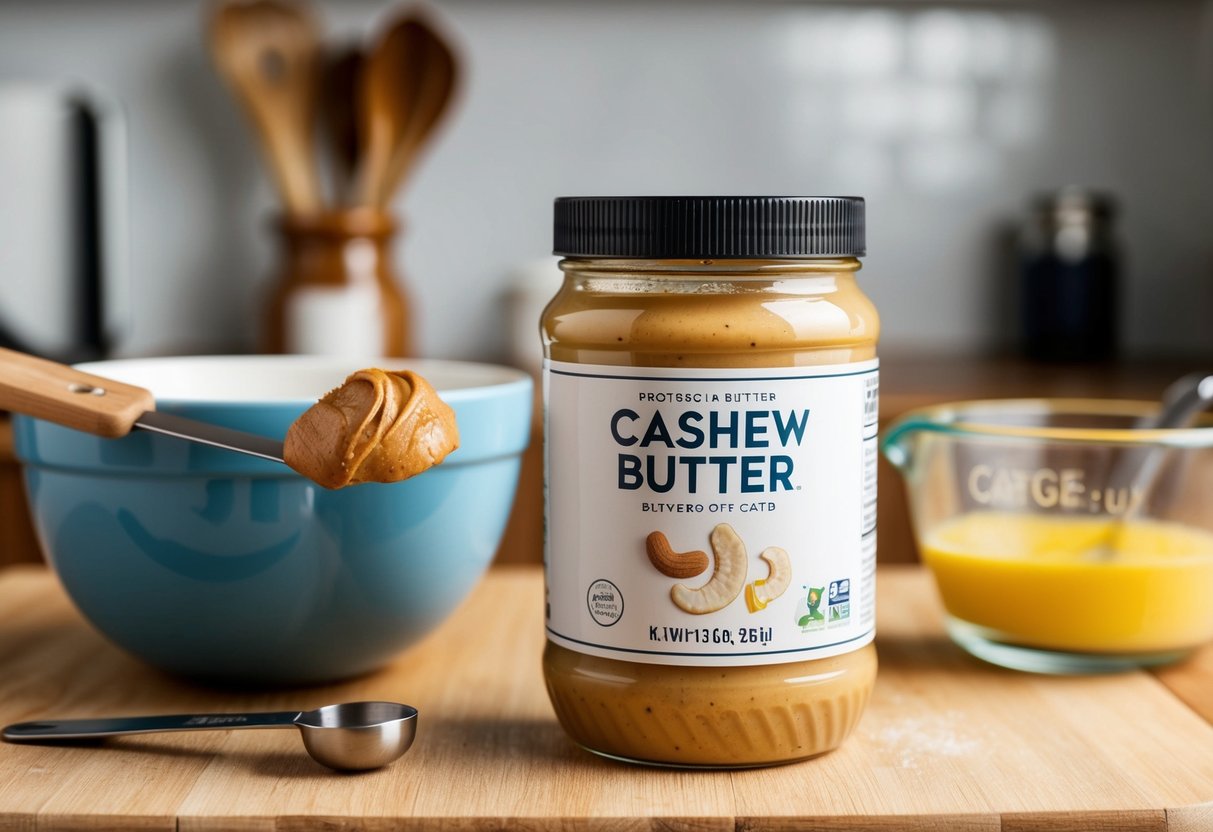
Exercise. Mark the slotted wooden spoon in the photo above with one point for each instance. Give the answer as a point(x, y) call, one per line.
point(268, 50)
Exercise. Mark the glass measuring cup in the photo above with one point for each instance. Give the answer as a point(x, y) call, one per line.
point(1051, 548)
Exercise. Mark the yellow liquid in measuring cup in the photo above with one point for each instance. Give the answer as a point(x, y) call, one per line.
point(1077, 584)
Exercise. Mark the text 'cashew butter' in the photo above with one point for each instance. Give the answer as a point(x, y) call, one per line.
point(710, 382)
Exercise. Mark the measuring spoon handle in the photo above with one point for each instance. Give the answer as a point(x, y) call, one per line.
point(80, 729)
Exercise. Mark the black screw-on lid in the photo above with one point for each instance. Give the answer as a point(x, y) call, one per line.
point(709, 227)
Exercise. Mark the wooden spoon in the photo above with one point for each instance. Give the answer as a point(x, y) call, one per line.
point(409, 80)
point(341, 90)
point(441, 77)
point(268, 50)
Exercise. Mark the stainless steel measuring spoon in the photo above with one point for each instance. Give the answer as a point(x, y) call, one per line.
point(354, 736)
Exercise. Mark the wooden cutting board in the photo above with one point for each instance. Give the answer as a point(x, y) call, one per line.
point(947, 743)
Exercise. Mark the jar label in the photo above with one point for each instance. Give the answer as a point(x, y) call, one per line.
point(712, 517)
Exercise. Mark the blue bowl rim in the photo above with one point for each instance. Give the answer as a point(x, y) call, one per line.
point(507, 385)
point(510, 377)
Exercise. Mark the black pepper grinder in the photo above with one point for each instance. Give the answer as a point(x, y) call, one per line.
point(1069, 278)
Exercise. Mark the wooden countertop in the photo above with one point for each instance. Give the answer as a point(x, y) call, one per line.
point(947, 743)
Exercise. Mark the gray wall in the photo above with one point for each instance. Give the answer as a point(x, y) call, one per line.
point(947, 118)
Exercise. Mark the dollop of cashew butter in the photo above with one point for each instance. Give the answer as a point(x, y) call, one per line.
point(378, 426)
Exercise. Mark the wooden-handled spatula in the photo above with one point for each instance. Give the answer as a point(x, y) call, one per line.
point(105, 407)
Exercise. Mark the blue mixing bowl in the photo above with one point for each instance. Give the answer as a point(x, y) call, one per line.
point(217, 565)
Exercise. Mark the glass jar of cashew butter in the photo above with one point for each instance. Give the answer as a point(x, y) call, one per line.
point(710, 383)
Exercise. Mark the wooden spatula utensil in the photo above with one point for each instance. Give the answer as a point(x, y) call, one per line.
point(105, 407)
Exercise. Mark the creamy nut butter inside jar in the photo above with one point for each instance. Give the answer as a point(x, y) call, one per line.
point(710, 381)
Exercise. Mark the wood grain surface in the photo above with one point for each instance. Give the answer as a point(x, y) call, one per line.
point(947, 743)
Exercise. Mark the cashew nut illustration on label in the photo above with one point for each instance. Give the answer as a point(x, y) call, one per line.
point(764, 591)
point(727, 580)
point(674, 564)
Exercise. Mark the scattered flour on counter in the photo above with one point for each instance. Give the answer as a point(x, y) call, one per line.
point(917, 738)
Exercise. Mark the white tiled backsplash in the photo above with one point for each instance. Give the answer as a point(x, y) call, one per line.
point(947, 118)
